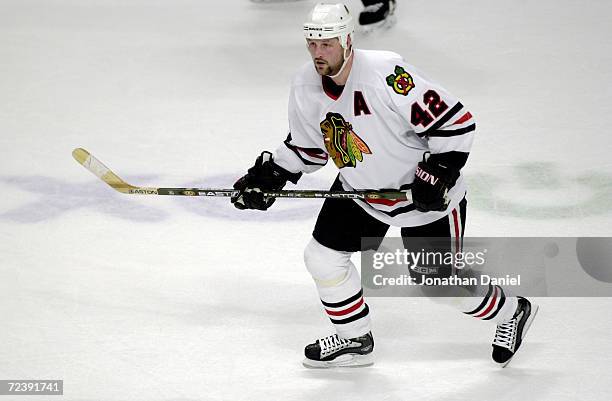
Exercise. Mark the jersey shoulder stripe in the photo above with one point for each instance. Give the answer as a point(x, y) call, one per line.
point(308, 156)
point(452, 132)
point(442, 120)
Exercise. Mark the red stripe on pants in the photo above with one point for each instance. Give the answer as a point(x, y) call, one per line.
point(457, 236)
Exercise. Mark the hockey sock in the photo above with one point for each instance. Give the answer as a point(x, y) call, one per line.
point(339, 288)
point(494, 305)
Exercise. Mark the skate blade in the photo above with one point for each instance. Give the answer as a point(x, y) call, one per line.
point(534, 311)
point(378, 26)
point(343, 361)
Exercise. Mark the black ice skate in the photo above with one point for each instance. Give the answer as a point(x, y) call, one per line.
point(509, 335)
point(377, 14)
point(333, 351)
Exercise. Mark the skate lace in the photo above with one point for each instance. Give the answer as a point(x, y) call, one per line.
point(505, 335)
point(372, 8)
point(333, 343)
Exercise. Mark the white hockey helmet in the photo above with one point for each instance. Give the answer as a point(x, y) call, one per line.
point(327, 21)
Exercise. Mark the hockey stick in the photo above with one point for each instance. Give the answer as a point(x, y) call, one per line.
point(97, 168)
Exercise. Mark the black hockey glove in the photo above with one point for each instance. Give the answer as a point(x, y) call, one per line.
point(264, 176)
point(432, 181)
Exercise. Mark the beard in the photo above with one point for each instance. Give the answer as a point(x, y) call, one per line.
point(324, 68)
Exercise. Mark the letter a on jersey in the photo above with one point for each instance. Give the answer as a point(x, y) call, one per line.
point(343, 144)
point(359, 104)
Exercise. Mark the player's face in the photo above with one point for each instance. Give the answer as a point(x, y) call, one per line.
point(327, 55)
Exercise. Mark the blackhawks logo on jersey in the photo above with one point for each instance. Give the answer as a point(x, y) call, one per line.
point(342, 143)
point(401, 81)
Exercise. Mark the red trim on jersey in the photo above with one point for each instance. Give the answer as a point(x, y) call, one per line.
point(329, 94)
point(463, 119)
point(491, 305)
point(386, 202)
point(311, 153)
point(329, 87)
point(347, 310)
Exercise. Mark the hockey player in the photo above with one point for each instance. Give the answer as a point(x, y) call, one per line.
point(377, 14)
point(384, 125)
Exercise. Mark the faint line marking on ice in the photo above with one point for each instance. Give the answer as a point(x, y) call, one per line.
point(542, 192)
point(58, 197)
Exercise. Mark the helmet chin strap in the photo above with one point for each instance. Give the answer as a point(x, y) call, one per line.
point(350, 50)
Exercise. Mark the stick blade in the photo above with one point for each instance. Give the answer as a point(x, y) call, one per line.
point(80, 155)
point(97, 168)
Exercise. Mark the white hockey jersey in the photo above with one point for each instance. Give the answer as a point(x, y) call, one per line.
point(376, 131)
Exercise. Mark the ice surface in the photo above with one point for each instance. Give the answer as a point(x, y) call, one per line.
point(150, 298)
